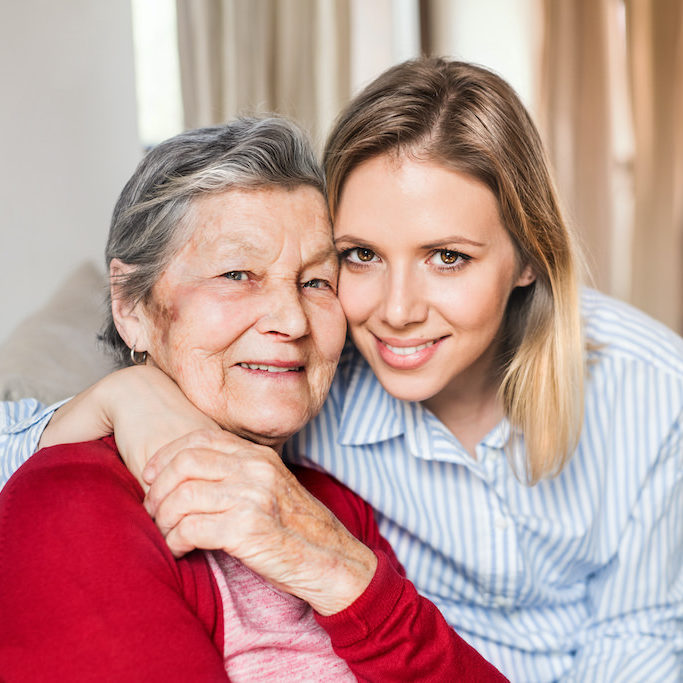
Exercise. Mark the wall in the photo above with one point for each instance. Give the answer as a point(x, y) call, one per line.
point(69, 140)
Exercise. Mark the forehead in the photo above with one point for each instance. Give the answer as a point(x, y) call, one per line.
point(420, 197)
point(262, 218)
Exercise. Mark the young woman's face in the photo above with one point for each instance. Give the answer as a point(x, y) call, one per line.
point(426, 271)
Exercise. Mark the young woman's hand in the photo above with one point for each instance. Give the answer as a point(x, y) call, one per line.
point(141, 406)
point(214, 490)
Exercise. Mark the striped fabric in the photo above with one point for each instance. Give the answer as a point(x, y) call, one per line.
point(579, 578)
point(576, 579)
point(21, 426)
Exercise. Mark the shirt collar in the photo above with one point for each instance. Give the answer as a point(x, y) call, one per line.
point(371, 415)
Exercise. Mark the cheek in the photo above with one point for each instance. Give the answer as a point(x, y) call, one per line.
point(198, 327)
point(358, 294)
point(330, 331)
point(478, 303)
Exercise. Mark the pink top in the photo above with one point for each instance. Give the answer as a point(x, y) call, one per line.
point(267, 632)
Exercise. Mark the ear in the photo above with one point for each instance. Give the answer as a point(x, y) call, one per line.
point(130, 318)
point(526, 277)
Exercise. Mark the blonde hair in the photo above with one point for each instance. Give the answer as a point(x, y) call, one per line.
point(468, 119)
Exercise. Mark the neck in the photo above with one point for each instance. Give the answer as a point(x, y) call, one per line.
point(277, 444)
point(469, 406)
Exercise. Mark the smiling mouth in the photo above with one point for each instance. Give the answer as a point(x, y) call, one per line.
point(407, 350)
point(270, 368)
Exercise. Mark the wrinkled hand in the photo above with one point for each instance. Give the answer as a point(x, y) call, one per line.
point(215, 490)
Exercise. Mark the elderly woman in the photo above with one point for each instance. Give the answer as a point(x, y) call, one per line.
point(223, 276)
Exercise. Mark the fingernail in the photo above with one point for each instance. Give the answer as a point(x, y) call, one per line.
point(148, 474)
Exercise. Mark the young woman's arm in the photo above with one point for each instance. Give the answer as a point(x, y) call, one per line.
point(636, 600)
point(21, 426)
point(148, 408)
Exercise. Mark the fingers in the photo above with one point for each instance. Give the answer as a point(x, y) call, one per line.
point(196, 531)
point(198, 464)
point(190, 498)
point(203, 438)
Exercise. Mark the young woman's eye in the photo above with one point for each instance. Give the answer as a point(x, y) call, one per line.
point(317, 283)
point(449, 258)
point(359, 255)
point(236, 275)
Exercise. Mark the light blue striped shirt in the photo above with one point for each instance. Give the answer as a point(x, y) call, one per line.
point(579, 578)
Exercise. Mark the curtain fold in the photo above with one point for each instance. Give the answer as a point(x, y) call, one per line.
point(655, 50)
point(248, 56)
point(575, 119)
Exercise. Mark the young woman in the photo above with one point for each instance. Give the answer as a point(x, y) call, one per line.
point(519, 438)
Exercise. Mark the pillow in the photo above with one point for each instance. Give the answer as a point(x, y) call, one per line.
point(54, 353)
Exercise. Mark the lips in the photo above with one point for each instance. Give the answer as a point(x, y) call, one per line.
point(407, 354)
point(275, 368)
point(408, 350)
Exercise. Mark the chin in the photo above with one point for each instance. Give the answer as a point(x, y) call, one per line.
point(271, 429)
point(414, 390)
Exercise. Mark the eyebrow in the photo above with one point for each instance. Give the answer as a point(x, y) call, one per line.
point(238, 245)
point(328, 253)
point(439, 244)
point(452, 239)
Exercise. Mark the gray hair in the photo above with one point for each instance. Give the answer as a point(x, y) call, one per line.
point(150, 222)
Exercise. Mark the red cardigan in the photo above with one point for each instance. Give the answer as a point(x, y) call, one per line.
point(90, 591)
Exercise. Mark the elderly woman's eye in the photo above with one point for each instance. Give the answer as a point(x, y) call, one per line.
point(317, 283)
point(359, 255)
point(235, 275)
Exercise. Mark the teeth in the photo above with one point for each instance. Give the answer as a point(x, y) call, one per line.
point(267, 368)
point(407, 350)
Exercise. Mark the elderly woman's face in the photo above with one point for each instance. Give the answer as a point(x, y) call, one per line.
point(246, 318)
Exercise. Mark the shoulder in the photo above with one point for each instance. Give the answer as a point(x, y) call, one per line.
point(68, 476)
point(79, 554)
point(77, 507)
point(621, 332)
point(82, 496)
point(633, 401)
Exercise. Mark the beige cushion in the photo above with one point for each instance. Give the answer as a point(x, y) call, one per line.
point(54, 353)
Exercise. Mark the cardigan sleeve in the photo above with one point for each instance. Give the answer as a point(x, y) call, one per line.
point(88, 588)
point(390, 632)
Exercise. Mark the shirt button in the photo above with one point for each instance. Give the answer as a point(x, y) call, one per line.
point(502, 522)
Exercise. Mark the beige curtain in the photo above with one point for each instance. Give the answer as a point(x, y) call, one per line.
point(576, 123)
point(612, 117)
point(248, 56)
point(655, 48)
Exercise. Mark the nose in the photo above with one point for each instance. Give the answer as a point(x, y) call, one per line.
point(284, 312)
point(404, 300)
